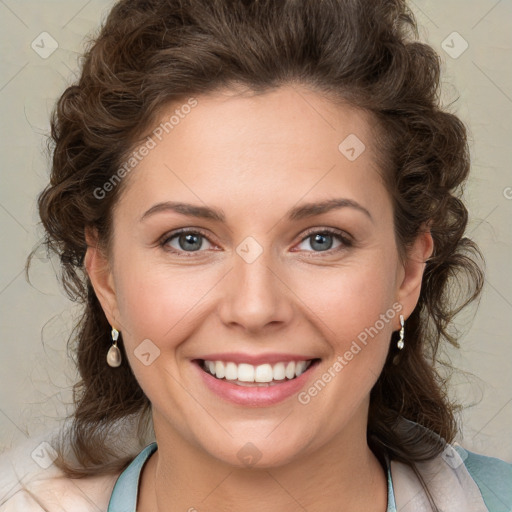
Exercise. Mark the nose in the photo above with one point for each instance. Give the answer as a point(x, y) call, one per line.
point(255, 296)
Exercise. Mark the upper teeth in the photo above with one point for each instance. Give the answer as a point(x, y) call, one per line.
point(262, 373)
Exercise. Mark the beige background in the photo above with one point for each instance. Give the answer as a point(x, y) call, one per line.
point(35, 319)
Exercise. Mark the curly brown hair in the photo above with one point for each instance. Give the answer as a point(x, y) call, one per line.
point(149, 53)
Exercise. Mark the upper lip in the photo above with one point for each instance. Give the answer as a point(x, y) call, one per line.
point(255, 359)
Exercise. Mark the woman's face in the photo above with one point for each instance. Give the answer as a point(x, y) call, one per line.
point(261, 276)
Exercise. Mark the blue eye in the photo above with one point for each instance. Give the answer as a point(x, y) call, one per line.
point(188, 241)
point(322, 241)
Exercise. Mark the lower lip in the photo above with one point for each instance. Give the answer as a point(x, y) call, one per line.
point(257, 396)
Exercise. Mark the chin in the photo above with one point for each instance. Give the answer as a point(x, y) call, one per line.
point(258, 452)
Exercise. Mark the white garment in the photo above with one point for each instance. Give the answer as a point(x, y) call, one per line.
point(453, 488)
point(22, 471)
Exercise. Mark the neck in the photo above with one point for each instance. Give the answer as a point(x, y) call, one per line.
point(343, 474)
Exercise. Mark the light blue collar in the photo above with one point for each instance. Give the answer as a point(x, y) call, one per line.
point(126, 489)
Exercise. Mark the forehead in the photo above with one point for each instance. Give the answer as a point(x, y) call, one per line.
point(287, 118)
point(278, 145)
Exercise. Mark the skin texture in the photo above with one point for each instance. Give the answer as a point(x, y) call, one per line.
point(255, 157)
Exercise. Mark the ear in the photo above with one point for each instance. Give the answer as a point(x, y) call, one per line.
point(412, 270)
point(100, 274)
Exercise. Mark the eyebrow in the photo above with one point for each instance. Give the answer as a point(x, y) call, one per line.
point(296, 213)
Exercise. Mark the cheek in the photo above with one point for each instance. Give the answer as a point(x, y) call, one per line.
point(159, 302)
point(351, 297)
point(355, 309)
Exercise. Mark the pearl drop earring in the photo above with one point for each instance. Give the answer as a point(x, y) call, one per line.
point(114, 354)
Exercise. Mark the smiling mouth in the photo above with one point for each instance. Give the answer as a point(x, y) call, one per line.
point(262, 375)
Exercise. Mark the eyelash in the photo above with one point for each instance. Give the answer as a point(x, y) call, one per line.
point(340, 235)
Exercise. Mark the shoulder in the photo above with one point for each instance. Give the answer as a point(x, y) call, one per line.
point(457, 479)
point(492, 476)
point(30, 482)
